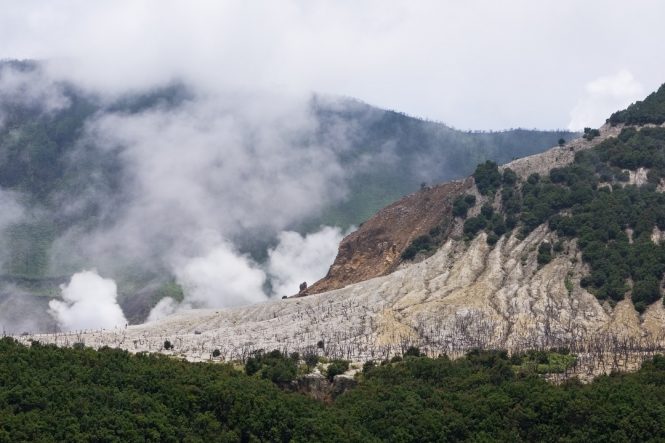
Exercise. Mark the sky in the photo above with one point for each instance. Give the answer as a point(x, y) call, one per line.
point(471, 64)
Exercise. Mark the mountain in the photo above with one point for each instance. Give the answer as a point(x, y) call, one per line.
point(68, 185)
point(562, 249)
point(392, 154)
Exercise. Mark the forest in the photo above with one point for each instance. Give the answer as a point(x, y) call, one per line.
point(79, 394)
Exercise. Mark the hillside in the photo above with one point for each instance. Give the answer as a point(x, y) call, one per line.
point(71, 188)
point(560, 249)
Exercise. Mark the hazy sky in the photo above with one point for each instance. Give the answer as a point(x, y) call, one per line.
point(471, 64)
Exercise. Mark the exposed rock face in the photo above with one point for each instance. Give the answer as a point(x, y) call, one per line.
point(560, 155)
point(319, 388)
point(375, 248)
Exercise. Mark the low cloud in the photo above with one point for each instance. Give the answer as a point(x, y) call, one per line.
point(214, 170)
point(88, 302)
point(602, 97)
point(28, 86)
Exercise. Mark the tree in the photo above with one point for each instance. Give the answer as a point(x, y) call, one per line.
point(562, 142)
point(487, 177)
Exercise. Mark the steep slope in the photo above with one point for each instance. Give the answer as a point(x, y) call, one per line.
point(377, 247)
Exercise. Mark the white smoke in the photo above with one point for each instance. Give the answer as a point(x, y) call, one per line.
point(296, 258)
point(88, 302)
point(222, 277)
point(602, 97)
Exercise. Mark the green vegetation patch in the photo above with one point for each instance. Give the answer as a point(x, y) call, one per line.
point(544, 362)
point(649, 110)
point(77, 394)
point(590, 201)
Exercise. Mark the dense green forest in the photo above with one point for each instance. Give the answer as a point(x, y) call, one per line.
point(78, 394)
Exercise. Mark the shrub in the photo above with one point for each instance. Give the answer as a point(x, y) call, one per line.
point(474, 225)
point(368, 366)
point(487, 177)
point(336, 367)
point(509, 177)
point(311, 360)
point(413, 351)
point(460, 207)
point(486, 211)
point(544, 253)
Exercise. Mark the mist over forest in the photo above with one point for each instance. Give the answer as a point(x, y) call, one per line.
point(126, 206)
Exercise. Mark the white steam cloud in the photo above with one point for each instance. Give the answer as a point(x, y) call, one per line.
point(223, 277)
point(88, 302)
point(602, 97)
point(296, 258)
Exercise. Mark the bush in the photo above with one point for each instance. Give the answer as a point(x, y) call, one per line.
point(311, 360)
point(487, 177)
point(509, 177)
point(544, 253)
point(590, 134)
point(167, 345)
point(273, 366)
point(460, 208)
point(486, 211)
point(422, 243)
point(336, 367)
point(474, 225)
point(413, 351)
point(596, 216)
point(368, 366)
point(645, 292)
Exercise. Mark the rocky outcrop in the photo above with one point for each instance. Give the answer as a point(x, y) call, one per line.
point(375, 248)
point(319, 388)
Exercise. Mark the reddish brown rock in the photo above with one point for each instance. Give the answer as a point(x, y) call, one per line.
point(375, 248)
